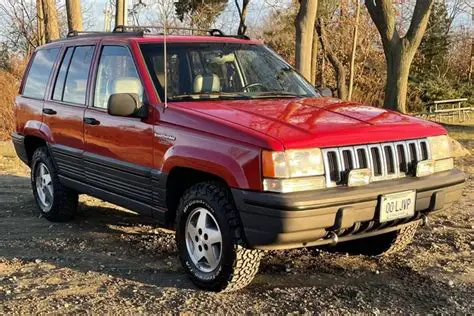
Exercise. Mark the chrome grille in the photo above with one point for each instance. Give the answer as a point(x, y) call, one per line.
point(386, 160)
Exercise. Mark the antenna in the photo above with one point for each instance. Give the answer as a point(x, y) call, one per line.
point(165, 54)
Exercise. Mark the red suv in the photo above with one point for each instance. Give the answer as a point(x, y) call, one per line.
point(219, 138)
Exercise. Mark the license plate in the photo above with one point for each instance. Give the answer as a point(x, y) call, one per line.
point(397, 205)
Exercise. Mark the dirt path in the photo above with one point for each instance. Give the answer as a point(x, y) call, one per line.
point(110, 261)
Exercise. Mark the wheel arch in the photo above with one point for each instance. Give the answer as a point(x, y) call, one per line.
point(181, 179)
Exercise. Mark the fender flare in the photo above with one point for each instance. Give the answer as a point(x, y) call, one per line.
point(38, 129)
point(205, 160)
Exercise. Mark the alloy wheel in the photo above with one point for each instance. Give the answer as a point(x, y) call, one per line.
point(44, 187)
point(203, 239)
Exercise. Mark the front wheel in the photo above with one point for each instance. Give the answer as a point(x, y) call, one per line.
point(210, 241)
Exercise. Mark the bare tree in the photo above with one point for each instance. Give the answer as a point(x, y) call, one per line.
point(399, 51)
point(333, 59)
point(74, 15)
point(304, 23)
point(242, 16)
point(50, 20)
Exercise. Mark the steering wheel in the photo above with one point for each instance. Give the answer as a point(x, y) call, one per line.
point(256, 84)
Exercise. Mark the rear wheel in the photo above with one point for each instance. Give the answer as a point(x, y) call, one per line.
point(55, 202)
point(210, 241)
point(380, 245)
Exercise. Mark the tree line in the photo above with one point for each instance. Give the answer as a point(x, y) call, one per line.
point(413, 36)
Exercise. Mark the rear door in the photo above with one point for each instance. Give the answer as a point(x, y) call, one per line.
point(64, 108)
point(29, 104)
point(118, 150)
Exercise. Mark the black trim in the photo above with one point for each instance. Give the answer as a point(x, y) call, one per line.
point(18, 141)
point(68, 161)
point(107, 177)
point(137, 206)
point(120, 177)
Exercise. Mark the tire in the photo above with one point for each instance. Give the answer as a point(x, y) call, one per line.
point(54, 201)
point(207, 208)
point(380, 245)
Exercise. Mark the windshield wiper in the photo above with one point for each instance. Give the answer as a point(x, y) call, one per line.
point(283, 94)
point(209, 96)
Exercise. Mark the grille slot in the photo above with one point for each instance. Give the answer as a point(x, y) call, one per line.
point(386, 160)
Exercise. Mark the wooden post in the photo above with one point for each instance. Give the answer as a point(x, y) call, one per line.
point(354, 48)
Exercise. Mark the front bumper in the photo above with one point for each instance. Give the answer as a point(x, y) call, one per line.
point(293, 220)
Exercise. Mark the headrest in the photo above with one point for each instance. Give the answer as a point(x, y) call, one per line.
point(207, 83)
point(127, 85)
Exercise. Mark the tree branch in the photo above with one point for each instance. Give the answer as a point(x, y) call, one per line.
point(383, 14)
point(419, 22)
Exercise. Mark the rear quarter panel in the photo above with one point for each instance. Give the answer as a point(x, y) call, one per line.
point(28, 115)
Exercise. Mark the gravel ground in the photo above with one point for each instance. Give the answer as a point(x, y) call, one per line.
point(109, 260)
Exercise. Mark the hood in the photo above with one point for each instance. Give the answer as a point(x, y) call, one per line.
point(317, 122)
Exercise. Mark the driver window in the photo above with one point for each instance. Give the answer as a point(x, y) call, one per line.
point(116, 74)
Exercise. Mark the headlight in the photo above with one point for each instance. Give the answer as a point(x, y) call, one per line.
point(292, 163)
point(293, 170)
point(440, 147)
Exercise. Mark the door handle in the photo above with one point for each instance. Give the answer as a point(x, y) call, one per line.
point(91, 121)
point(49, 111)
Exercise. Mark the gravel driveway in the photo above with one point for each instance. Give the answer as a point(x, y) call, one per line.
point(109, 260)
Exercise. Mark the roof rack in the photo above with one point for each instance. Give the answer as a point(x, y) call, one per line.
point(123, 30)
point(147, 30)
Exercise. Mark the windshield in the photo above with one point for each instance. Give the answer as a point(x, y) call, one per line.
point(223, 71)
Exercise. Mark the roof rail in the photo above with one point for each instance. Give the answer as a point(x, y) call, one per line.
point(122, 30)
point(147, 30)
point(95, 33)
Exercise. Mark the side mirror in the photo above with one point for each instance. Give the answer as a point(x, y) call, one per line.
point(123, 104)
point(325, 92)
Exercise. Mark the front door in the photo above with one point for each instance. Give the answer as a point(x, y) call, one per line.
point(118, 156)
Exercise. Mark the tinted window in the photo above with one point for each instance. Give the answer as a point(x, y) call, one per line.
point(116, 74)
point(77, 75)
point(37, 80)
point(60, 80)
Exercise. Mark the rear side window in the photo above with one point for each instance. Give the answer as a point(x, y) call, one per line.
point(61, 79)
point(38, 75)
point(71, 83)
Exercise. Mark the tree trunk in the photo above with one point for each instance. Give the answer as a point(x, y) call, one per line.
point(50, 20)
point(74, 15)
point(399, 51)
point(354, 48)
point(314, 60)
point(119, 10)
point(398, 60)
point(243, 16)
point(304, 36)
point(334, 60)
point(40, 22)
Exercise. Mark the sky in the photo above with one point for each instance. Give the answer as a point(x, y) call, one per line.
point(258, 10)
